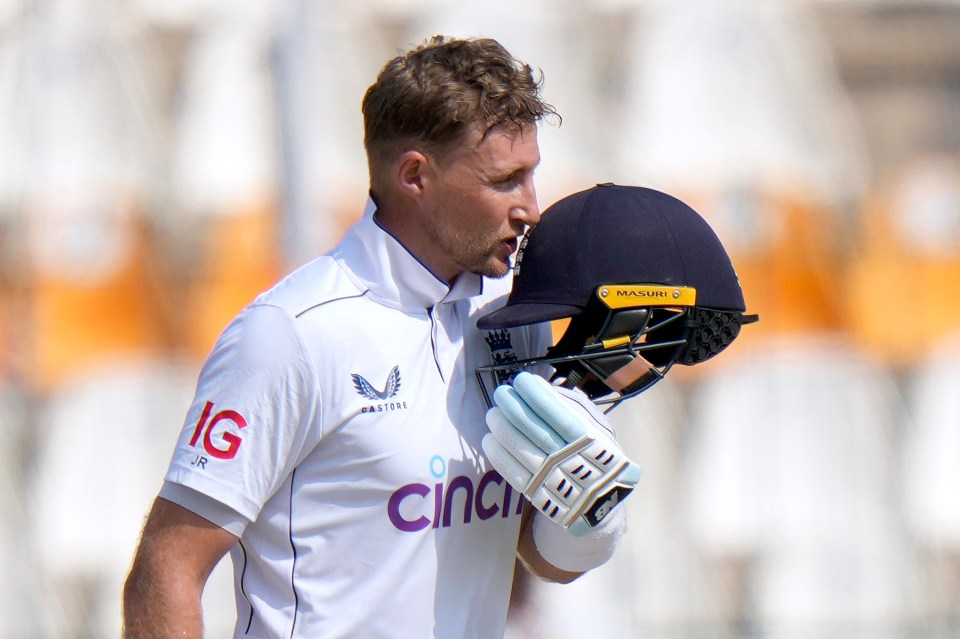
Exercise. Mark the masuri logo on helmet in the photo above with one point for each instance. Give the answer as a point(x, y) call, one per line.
point(643, 278)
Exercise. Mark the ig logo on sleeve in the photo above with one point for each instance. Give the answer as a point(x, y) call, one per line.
point(227, 443)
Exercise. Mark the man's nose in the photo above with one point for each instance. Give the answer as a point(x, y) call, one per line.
point(529, 215)
point(527, 210)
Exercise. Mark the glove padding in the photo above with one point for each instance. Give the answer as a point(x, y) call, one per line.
point(554, 446)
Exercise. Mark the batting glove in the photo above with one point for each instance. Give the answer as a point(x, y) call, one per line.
point(552, 444)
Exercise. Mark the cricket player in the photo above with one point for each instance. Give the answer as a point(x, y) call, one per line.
point(333, 446)
point(344, 445)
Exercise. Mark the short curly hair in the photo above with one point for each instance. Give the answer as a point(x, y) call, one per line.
point(430, 96)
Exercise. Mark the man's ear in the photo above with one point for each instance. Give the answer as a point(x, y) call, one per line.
point(411, 169)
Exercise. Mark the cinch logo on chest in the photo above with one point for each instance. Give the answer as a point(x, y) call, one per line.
point(390, 390)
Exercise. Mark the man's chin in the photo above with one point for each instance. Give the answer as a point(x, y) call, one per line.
point(494, 269)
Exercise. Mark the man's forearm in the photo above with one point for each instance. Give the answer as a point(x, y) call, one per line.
point(161, 604)
point(177, 553)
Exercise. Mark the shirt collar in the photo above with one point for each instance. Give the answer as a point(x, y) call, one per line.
point(384, 266)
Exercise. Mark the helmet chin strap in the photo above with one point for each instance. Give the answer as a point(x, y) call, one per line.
point(627, 375)
point(631, 379)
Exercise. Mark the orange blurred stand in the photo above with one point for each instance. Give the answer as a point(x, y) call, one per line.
point(904, 285)
point(95, 295)
point(238, 258)
point(787, 248)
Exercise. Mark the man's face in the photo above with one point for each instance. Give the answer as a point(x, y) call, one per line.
point(481, 199)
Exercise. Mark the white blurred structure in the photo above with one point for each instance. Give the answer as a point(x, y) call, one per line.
point(322, 68)
point(932, 460)
point(26, 607)
point(930, 476)
point(739, 92)
point(789, 480)
point(225, 154)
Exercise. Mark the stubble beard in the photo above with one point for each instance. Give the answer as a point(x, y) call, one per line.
point(473, 254)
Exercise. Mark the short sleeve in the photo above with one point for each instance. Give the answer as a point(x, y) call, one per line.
point(255, 415)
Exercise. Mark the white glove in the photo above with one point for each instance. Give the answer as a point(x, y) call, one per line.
point(554, 446)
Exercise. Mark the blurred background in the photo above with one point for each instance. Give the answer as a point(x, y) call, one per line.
point(163, 162)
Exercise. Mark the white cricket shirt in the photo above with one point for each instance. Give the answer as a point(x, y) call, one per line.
point(336, 429)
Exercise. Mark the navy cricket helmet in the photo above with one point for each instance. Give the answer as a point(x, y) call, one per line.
point(643, 278)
